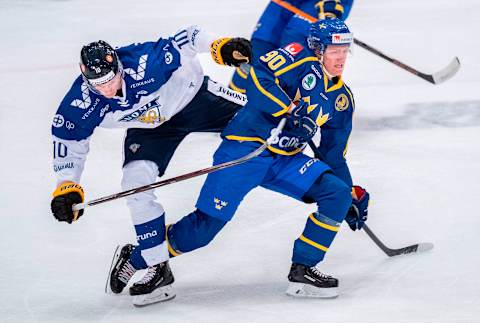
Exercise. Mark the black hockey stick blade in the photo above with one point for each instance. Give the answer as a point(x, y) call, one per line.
point(415, 248)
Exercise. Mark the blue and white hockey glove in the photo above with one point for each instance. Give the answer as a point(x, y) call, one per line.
point(300, 124)
point(64, 197)
point(358, 213)
point(328, 9)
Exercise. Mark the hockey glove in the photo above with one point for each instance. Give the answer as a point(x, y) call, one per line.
point(358, 213)
point(231, 51)
point(300, 124)
point(64, 197)
point(328, 9)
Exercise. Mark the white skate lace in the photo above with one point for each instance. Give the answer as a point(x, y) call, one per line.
point(149, 275)
point(126, 272)
point(319, 273)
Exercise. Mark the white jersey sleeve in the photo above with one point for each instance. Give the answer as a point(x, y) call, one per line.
point(193, 40)
point(69, 159)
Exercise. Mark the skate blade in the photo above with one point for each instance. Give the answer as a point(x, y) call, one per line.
point(116, 255)
point(309, 291)
point(161, 294)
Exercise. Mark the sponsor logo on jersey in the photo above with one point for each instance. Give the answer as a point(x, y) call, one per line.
point(58, 121)
point(104, 110)
point(285, 142)
point(149, 113)
point(309, 81)
point(85, 102)
point(147, 235)
point(89, 112)
point(58, 168)
point(294, 48)
point(135, 85)
point(138, 74)
point(134, 148)
point(316, 71)
point(69, 125)
point(141, 93)
point(168, 58)
point(219, 204)
point(341, 102)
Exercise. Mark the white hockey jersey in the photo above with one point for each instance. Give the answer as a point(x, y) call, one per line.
point(160, 79)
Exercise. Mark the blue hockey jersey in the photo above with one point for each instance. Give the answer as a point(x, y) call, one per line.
point(287, 75)
point(279, 26)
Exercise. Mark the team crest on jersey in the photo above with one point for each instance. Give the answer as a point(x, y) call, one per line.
point(219, 204)
point(138, 74)
point(294, 48)
point(85, 102)
point(149, 113)
point(309, 81)
point(341, 102)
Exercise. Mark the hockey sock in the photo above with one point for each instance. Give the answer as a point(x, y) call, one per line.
point(193, 231)
point(313, 243)
point(151, 249)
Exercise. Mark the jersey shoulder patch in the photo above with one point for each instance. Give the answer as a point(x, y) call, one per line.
point(294, 48)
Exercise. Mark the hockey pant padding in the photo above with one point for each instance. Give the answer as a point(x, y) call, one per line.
point(147, 215)
point(193, 231)
point(333, 198)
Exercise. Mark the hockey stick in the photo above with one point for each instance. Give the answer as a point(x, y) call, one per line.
point(418, 247)
point(275, 133)
point(436, 78)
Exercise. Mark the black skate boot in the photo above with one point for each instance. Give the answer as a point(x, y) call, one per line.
point(310, 282)
point(121, 270)
point(155, 286)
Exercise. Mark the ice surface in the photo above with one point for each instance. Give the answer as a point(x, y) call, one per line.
point(415, 147)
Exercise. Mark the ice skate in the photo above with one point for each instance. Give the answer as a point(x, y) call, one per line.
point(155, 286)
point(310, 282)
point(121, 270)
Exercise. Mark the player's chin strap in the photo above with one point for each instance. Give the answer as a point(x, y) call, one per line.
point(273, 138)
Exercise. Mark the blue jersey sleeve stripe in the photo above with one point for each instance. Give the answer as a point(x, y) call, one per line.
point(236, 88)
point(257, 139)
point(296, 64)
point(351, 96)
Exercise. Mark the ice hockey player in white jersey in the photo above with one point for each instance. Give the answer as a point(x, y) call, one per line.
point(158, 91)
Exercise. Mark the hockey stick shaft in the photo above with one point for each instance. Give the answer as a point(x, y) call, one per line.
point(436, 78)
point(275, 133)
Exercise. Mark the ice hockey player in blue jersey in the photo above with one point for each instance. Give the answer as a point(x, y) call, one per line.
point(278, 27)
point(304, 85)
point(158, 91)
